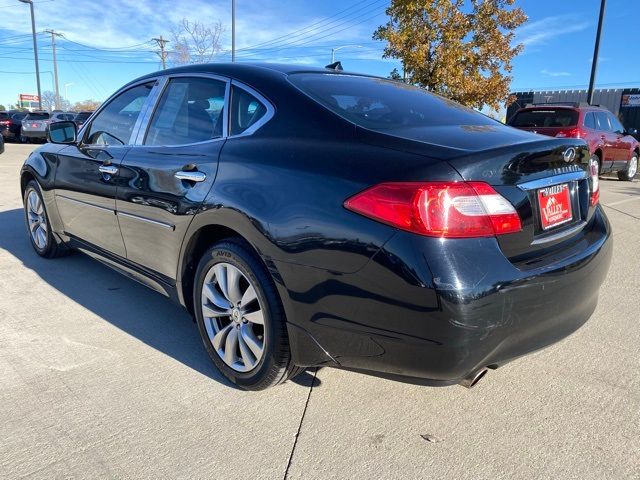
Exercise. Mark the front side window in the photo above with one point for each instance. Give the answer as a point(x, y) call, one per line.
point(246, 110)
point(114, 124)
point(191, 110)
point(616, 126)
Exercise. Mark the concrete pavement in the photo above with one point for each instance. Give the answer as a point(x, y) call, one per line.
point(103, 378)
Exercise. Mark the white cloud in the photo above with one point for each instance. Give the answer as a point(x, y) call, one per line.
point(554, 74)
point(541, 31)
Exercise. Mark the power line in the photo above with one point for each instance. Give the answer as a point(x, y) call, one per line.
point(311, 27)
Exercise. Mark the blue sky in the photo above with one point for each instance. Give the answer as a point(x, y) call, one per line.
point(112, 42)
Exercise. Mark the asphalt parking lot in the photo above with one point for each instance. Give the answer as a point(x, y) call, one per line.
point(103, 378)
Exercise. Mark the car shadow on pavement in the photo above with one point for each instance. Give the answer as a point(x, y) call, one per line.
point(131, 307)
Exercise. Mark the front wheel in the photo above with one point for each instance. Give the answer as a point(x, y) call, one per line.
point(37, 220)
point(240, 317)
point(631, 170)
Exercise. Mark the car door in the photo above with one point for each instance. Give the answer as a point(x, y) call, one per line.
point(86, 176)
point(166, 176)
point(622, 143)
point(609, 153)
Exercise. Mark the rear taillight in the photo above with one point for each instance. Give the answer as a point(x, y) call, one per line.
point(569, 133)
point(439, 209)
point(594, 171)
point(5, 122)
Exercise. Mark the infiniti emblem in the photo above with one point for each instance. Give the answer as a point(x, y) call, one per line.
point(569, 154)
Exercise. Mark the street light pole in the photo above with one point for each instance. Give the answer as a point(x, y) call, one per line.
point(233, 30)
point(66, 91)
point(594, 63)
point(35, 50)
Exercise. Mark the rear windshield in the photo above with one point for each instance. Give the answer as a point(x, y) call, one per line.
point(81, 117)
point(562, 117)
point(380, 104)
point(37, 116)
point(4, 115)
point(18, 116)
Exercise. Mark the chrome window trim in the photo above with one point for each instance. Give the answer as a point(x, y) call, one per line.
point(168, 226)
point(89, 121)
point(148, 109)
point(271, 111)
point(82, 202)
point(554, 180)
point(144, 127)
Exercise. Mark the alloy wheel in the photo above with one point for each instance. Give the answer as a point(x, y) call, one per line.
point(233, 317)
point(38, 227)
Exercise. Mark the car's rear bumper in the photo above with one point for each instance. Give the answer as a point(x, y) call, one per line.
point(7, 133)
point(34, 134)
point(434, 312)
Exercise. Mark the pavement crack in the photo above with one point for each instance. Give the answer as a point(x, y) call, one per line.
point(304, 412)
point(620, 211)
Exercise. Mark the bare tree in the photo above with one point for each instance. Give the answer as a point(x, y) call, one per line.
point(195, 42)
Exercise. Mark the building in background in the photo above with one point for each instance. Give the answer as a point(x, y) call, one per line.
point(623, 102)
point(28, 101)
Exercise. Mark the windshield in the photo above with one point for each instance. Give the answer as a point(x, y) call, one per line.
point(559, 118)
point(380, 104)
point(37, 116)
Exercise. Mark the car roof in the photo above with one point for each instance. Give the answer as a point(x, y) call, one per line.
point(241, 70)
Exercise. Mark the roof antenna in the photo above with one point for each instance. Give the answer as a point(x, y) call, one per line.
point(337, 66)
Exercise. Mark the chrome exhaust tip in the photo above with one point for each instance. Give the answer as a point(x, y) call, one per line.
point(473, 379)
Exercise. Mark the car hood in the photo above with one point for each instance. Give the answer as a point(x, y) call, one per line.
point(447, 141)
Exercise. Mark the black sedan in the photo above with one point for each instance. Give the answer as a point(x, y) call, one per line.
point(309, 217)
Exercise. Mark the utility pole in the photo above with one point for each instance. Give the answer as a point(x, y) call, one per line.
point(233, 30)
point(594, 63)
point(162, 53)
point(55, 65)
point(35, 50)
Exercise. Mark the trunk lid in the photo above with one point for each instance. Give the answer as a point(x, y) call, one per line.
point(526, 175)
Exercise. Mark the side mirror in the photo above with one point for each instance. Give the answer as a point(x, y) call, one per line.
point(62, 132)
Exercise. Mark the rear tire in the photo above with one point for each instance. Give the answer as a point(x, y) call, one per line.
point(245, 332)
point(41, 236)
point(632, 169)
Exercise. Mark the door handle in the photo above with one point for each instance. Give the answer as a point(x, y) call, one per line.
point(108, 169)
point(193, 176)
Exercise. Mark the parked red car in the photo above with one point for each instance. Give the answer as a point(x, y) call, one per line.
point(614, 147)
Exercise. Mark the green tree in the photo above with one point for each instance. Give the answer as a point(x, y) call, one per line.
point(2, 108)
point(461, 49)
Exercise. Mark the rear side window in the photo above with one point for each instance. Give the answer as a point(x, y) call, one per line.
point(380, 104)
point(562, 117)
point(191, 110)
point(602, 121)
point(246, 110)
point(115, 122)
point(589, 121)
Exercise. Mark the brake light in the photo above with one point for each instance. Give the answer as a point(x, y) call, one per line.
point(5, 122)
point(438, 209)
point(595, 182)
point(572, 133)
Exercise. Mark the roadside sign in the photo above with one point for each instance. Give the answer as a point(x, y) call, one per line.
point(630, 100)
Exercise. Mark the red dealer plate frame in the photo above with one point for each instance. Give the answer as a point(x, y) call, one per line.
point(554, 204)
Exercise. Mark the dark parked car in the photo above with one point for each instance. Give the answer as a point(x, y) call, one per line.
point(611, 145)
point(81, 117)
point(1, 144)
point(310, 217)
point(11, 127)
